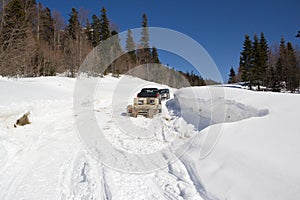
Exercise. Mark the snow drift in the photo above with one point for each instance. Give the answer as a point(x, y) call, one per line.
point(256, 156)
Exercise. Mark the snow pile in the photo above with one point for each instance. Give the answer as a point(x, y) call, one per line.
point(256, 157)
point(206, 106)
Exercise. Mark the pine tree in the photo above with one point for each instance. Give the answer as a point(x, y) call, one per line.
point(154, 56)
point(145, 32)
point(74, 25)
point(232, 76)
point(264, 57)
point(72, 43)
point(130, 47)
point(280, 75)
point(272, 80)
point(116, 51)
point(144, 52)
point(256, 68)
point(292, 71)
point(14, 23)
point(105, 32)
point(46, 30)
point(96, 30)
point(89, 31)
point(246, 61)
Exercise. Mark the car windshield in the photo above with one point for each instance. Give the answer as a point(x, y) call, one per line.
point(150, 90)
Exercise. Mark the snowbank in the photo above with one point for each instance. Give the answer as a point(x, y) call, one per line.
point(257, 155)
point(205, 106)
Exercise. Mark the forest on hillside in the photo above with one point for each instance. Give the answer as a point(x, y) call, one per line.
point(35, 41)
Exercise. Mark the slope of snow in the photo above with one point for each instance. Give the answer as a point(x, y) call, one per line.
point(256, 157)
point(209, 143)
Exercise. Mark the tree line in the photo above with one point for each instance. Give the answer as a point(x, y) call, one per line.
point(275, 67)
point(35, 41)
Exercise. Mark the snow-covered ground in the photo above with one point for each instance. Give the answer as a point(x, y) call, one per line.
point(208, 143)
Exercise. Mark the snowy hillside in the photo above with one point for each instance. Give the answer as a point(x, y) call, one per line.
point(208, 143)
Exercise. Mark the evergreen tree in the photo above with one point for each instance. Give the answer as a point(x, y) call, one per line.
point(89, 31)
point(280, 76)
point(46, 30)
point(105, 32)
point(264, 57)
point(96, 30)
point(145, 32)
point(14, 23)
point(260, 60)
point(74, 25)
point(144, 53)
point(256, 68)
point(292, 81)
point(154, 56)
point(272, 80)
point(116, 51)
point(72, 43)
point(130, 47)
point(232, 76)
point(246, 61)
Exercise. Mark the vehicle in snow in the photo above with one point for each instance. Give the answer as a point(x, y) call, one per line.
point(147, 103)
point(164, 93)
point(149, 92)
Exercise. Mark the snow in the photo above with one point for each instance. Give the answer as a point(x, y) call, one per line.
point(256, 156)
point(208, 143)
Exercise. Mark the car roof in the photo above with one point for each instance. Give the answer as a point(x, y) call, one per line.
point(149, 89)
point(164, 90)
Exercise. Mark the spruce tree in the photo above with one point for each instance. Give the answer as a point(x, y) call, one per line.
point(272, 80)
point(14, 23)
point(293, 77)
point(96, 30)
point(145, 32)
point(256, 68)
point(116, 51)
point(264, 57)
point(281, 69)
point(72, 43)
point(246, 61)
point(88, 31)
point(46, 26)
point(74, 25)
point(105, 32)
point(154, 56)
point(232, 76)
point(130, 47)
point(144, 52)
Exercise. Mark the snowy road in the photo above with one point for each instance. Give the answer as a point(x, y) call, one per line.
point(47, 160)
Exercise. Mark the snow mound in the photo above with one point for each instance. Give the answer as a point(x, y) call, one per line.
point(256, 157)
point(203, 111)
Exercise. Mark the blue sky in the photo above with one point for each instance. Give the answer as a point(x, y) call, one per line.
point(219, 26)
